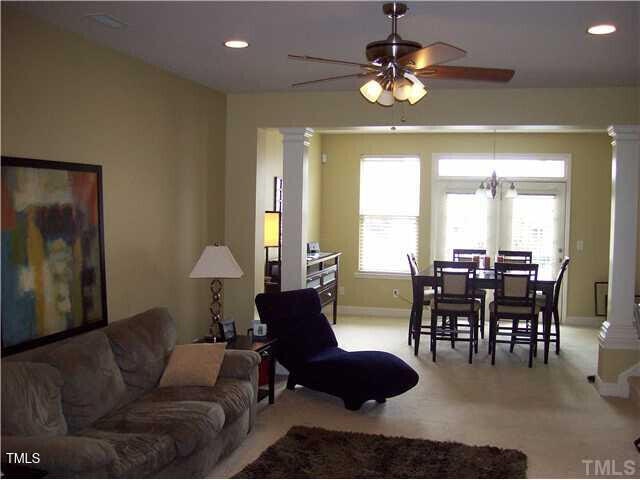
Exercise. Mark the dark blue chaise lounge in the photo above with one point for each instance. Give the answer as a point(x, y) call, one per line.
point(308, 348)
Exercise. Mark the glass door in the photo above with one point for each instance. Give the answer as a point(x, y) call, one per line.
point(535, 221)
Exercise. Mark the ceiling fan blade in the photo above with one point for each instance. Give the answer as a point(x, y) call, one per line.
point(467, 73)
point(306, 58)
point(338, 77)
point(433, 54)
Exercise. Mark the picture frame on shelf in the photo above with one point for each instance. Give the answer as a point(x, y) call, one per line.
point(227, 329)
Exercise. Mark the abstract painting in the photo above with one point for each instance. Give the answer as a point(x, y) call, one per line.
point(53, 275)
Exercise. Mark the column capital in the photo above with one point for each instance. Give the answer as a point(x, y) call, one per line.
point(621, 133)
point(297, 134)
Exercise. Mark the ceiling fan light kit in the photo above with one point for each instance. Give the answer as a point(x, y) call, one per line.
point(395, 65)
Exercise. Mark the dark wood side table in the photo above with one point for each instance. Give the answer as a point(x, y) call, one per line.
point(265, 347)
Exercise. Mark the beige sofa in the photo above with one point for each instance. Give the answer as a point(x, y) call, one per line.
point(90, 405)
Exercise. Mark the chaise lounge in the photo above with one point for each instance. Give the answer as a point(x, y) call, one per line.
point(308, 348)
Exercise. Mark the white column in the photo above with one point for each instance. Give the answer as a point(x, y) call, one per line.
point(617, 331)
point(294, 209)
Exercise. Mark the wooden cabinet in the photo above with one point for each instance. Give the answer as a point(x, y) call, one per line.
point(323, 272)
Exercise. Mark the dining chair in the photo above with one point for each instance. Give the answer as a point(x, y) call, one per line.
point(466, 255)
point(514, 301)
point(454, 297)
point(515, 256)
point(541, 299)
point(417, 290)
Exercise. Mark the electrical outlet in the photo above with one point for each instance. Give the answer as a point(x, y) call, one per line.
point(395, 292)
point(340, 290)
point(580, 245)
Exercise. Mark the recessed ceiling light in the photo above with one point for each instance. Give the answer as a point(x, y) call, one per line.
point(107, 20)
point(236, 44)
point(603, 29)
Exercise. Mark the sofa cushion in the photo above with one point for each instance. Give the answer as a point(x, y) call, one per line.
point(195, 364)
point(141, 346)
point(137, 455)
point(233, 395)
point(188, 423)
point(93, 384)
point(64, 455)
point(31, 400)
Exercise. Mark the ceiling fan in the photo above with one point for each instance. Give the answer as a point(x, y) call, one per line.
point(395, 65)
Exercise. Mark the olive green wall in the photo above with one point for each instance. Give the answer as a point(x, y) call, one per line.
point(159, 139)
point(590, 203)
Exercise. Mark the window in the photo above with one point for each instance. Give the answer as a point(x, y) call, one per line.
point(389, 209)
point(465, 223)
point(509, 166)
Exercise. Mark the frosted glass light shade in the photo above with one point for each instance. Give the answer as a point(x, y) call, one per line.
point(271, 229)
point(371, 90)
point(216, 262)
point(417, 93)
point(511, 192)
point(402, 89)
point(386, 98)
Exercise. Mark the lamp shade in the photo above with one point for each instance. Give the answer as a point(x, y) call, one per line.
point(271, 229)
point(216, 262)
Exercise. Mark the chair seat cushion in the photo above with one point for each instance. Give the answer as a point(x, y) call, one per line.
point(189, 423)
point(513, 309)
point(233, 395)
point(362, 375)
point(456, 307)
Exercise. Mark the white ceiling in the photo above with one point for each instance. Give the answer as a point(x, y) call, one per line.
point(545, 42)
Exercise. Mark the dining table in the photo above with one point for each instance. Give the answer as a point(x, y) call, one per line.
point(485, 279)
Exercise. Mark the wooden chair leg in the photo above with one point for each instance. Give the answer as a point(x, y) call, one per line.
point(491, 320)
point(514, 328)
point(453, 323)
point(482, 314)
point(411, 327)
point(533, 340)
point(475, 340)
point(492, 338)
point(434, 335)
point(556, 321)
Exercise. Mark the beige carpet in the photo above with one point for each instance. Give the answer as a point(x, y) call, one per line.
point(549, 412)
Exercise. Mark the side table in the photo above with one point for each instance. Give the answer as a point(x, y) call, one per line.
point(265, 347)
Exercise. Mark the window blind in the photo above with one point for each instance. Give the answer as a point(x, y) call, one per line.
point(389, 210)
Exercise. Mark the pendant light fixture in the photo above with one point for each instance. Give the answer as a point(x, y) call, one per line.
point(489, 186)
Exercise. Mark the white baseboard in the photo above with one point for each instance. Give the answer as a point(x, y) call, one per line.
point(374, 311)
point(594, 322)
point(619, 388)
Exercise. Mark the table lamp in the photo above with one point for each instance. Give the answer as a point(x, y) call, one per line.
point(271, 235)
point(216, 263)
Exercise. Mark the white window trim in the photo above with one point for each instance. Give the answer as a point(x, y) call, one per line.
point(566, 157)
point(389, 275)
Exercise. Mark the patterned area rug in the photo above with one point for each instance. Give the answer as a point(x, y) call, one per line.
point(318, 453)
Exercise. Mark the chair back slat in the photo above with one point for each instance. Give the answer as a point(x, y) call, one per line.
point(467, 254)
point(417, 291)
point(515, 256)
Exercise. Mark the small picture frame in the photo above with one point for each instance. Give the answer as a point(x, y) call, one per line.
point(227, 329)
point(600, 298)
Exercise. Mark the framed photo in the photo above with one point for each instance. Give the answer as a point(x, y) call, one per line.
point(53, 272)
point(600, 291)
point(227, 330)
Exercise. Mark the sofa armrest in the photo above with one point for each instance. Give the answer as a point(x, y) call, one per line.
point(239, 364)
point(62, 454)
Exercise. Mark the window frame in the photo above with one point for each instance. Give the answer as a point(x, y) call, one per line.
point(380, 274)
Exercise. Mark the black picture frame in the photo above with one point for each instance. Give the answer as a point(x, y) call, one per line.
point(227, 330)
point(18, 162)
